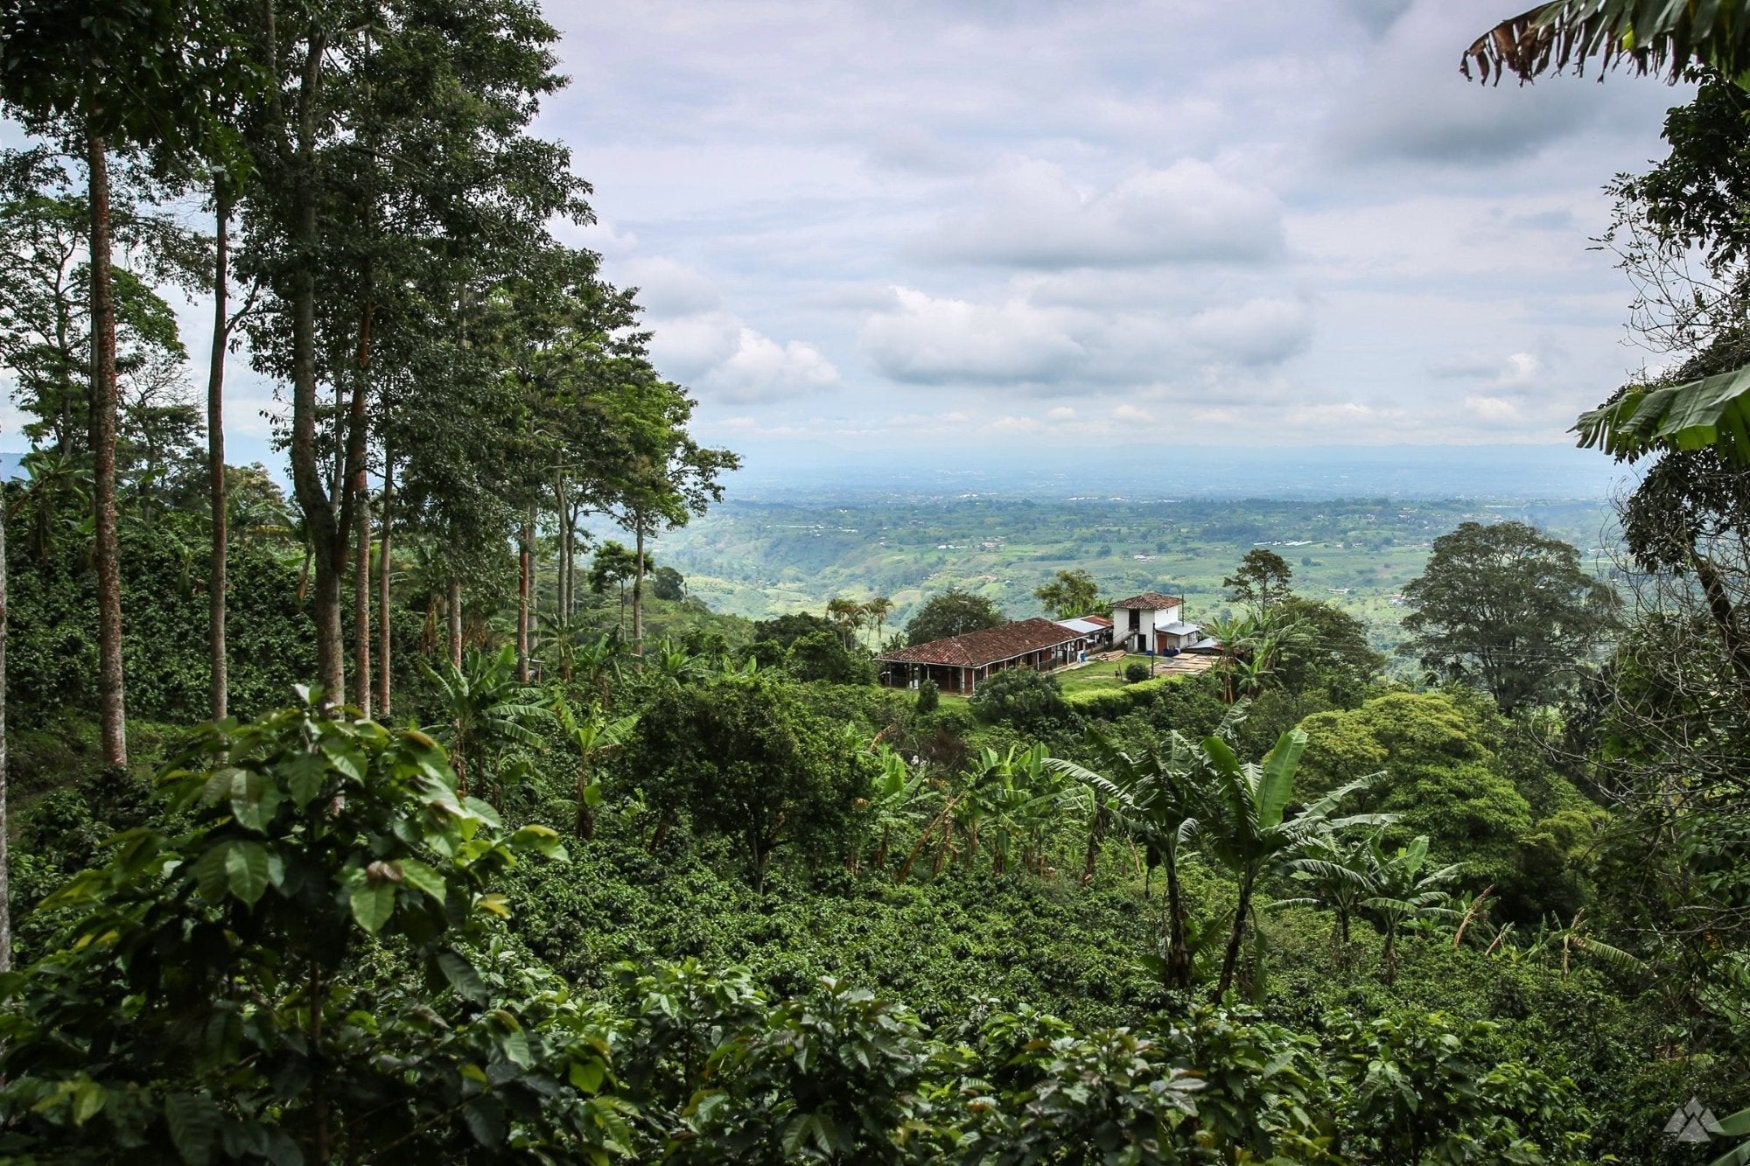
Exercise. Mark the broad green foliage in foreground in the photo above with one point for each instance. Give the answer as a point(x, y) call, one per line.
point(312, 961)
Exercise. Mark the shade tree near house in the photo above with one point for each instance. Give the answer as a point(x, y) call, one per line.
point(952, 613)
point(1069, 594)
point(1261, 580)
point(1506, 608)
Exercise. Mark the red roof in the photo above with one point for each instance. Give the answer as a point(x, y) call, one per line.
point(1099, 619)
point(1148, 601)
point(989, 646)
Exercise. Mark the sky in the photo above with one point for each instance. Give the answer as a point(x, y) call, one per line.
point(992, 224)
point(912, 228)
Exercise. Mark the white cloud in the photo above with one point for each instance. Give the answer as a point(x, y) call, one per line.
point(669, 288)
point(725, 361)
point(925, 340)
point(1258, 332)
point(1493, 409)
point(761, 369)
point(1031, 214)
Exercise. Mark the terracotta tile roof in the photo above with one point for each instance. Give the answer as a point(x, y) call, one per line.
point(976, 649)
point(1148, 601)
point(1099, 619)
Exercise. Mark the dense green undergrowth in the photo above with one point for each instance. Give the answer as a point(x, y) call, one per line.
point(636, 997)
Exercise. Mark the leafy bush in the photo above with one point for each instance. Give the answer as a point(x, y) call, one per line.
point(1136, 671)
point(747, 760)
point(1026, 700)
point(929, 697)
point(304, 970)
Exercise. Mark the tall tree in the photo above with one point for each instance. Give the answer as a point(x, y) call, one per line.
point(1261, 580)
point(1248, 830)
point(5, 824)
point(1156, 797)
point(397, 186)
point(664, 476)
point(1069, 594)
point(103, 75)
point(953, 613)
point(1507, 608)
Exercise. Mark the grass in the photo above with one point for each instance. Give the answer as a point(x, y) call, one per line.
point(1099, 674)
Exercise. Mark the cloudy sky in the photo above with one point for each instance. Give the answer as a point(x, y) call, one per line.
point(870, 225)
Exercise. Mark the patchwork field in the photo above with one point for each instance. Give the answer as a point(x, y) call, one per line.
point(762, 559)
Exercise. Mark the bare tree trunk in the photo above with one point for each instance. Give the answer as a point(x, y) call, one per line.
point(1230, 961)
point(385, 688)
point(1178, 962)
point(327, 532)
point(526, 563)
point(361, 603)
point(217, 667)
point(112, 706)
point(456, 622)
point(638, 593)
point(564, 512)
point(5, 880)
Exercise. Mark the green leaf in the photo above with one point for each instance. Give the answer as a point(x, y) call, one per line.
point(516, 1048)
point(304, 777)
point(1713, 411)
point(462, 976)
point(587, 1075)
point(211, 874)
point(254, 799)
point(372, 904)
point(1278, 784)
point(424, 878)
point(194, 1126)
point(345, 759)
point(247, 871)
point(541, 839)
point(485, 1118)
point(88, 1099)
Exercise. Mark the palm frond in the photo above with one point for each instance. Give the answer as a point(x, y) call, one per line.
point(1663, 38)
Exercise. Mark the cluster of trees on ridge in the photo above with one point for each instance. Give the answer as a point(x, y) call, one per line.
point(315, 937)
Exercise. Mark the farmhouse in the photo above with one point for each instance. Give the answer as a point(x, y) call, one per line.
point(1152, 622)
point(958, 663)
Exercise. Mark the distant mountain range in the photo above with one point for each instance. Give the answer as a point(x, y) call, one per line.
point(1202, 470)
point(1495, 473)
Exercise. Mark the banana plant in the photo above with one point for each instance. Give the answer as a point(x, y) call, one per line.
point(485, 709)
point(1336, 872)
point(593, 735)
point(1155, 797)
point(1404, 889)
point(1735, 1125)
point(891, 804)
point(1247, 831)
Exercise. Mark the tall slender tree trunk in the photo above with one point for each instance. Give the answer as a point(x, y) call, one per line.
point(525, 584)
point(5, 880)
point(1231, 960)
point(1178, 962)
point(385, 688)
point(112, 706)
point(564, 512)
point(327, 533)
point(217, 666)
point(455, 605)
point(361, 604)
point(358, 501)
point(638, 592)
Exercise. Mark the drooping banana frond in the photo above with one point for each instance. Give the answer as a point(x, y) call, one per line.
point(1612, 957)
point(1713, 411)
point(1660, 37)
